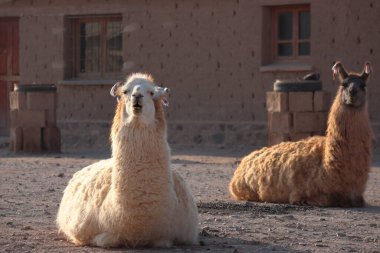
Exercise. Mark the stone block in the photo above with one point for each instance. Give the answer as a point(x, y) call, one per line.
point(27, 118)
point(51, 118)
point(301, 101)
point(41, 100)
point(305, 122)
point(17, 100)
point(276, 138)
point(279, 122)
point(32, 140)
point(277, 101)
point(322, 101)
point(51, 139)
point(16, 140)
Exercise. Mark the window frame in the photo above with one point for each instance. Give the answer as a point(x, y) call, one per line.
point(75, 45)
point(295, 9)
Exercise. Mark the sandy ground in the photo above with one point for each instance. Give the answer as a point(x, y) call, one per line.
point(31, 188)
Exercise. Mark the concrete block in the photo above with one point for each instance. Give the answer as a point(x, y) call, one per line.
point(276, 138)
point(16, 140)
point(279, 122)
point(305, 122)
point(322, 101)
point(277, 101)
point(41, 100)
point(299, 136)
point(30, 118)
point(51, 118)
point(17, 100)
point(301, 101)
point(32, 141)
point(51, 139)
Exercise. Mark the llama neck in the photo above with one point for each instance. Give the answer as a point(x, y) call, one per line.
point(348, 140)
point(141, 154)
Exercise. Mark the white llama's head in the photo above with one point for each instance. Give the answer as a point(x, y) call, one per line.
point(138, 95)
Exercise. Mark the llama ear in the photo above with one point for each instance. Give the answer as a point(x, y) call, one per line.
point(366, 71)
point(162, 93)
point(114, 89)
point(338, 70)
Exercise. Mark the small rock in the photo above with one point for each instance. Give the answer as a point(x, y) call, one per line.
point(47, 212)
point(60, 174)
point(9, 223)
point(51, 190)
point(322, 219)
point(369, 239)
point(373, 225)
point(27, 228)
point(320, 245)
point(289, 217)
point(340, 234)
point(204, 233)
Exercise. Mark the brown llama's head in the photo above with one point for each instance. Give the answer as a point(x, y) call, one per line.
point(353, 88)
point(137, 98)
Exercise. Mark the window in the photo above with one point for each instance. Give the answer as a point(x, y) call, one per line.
point(291, 32)
point(97, 46)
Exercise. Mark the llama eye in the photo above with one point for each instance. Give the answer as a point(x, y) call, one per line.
point(151, 93)
point(125, 92)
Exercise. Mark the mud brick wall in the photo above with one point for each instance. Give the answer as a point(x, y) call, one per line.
point(33, 122)
point(293, 116)
point(211, 53)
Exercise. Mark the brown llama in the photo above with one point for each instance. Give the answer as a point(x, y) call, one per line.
point(318, 171)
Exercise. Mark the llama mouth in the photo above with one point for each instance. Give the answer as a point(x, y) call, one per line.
point(137, 108)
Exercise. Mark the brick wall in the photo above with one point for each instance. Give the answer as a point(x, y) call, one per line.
point(208, 52)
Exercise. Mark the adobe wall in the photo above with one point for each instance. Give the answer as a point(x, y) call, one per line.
point(208, 52)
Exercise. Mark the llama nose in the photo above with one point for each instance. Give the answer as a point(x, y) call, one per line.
point(352, 91)
point(136, 97)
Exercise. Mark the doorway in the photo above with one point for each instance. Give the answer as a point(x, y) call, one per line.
point(9, 67)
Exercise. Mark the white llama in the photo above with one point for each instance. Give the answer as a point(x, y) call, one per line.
point(133, 199)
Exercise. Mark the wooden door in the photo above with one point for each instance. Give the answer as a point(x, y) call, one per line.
point(9, 67)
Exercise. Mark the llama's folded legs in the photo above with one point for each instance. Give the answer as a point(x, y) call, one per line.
point(106, 240)
point(163, 243)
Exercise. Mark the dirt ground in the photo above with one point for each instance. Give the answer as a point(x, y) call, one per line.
point(31, 188)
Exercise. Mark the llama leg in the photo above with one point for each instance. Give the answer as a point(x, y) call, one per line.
point(358, 201)
point(105, 240)
point(163, 243)
point(320, 200)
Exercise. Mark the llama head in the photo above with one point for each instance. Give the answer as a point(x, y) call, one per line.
point(139, 97)
point(353, 85)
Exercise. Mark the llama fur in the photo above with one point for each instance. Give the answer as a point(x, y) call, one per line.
point(133, 199)
point(318, 171)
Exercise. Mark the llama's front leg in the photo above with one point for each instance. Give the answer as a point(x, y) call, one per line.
point(105, 240)
point(163, 243)
point(358, 201)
